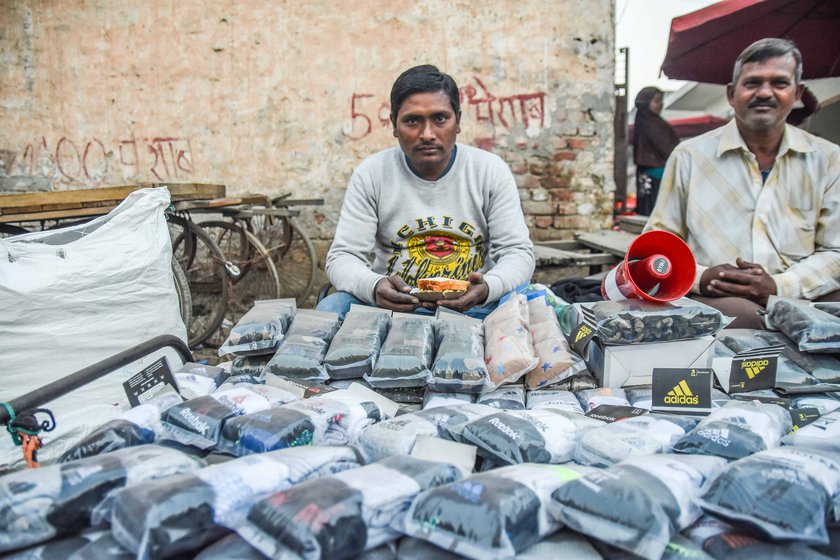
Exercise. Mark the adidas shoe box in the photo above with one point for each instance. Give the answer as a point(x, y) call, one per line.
point(624, 366)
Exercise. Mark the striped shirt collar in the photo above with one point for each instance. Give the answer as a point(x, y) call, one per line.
point(793, 140)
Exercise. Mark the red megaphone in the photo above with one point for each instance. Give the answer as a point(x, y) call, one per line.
point(658, 266)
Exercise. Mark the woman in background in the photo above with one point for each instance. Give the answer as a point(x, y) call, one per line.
point(653, 141)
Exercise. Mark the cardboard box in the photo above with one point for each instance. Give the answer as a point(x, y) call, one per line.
point(623, 366)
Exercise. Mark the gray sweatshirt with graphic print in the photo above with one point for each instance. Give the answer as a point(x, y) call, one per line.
point(394, 222)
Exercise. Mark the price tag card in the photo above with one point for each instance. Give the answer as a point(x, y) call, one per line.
point(150, 382)
point(682, 390)
point(754, 369)
point(803, 416)
point(610, 412)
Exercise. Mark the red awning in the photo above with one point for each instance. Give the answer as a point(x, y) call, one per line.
point(690, 127)
point(703, 45)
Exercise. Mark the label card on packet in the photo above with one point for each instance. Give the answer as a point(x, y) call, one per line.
point(682, 390)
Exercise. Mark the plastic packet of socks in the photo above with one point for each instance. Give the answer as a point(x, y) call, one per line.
point(250, 365)
point(577, 383)
point(593, 398)
point(397, 436)
point(528, 436)
point(342, 515)
point(639, 435)
point(634, 321)
point(640, 397)
point(832, 307)
point(823, 403)
point(640, 504)
point(823, 367)
point(508, 343)
point(786, 493)
point(491, 515)
point(402, 395)
point(216, 374)
point(737, 429)
point(679, 548)
point(812, 329)
point(406, 355)
point(356, 345)
point(137, 426)
point(180, 514)
point(246, 380)
point(459, 365)
point(335, 418)
point(274, 395)
point(723, 541)
point(433, 399)
point(823, 433)
point(261, 329)
point(552, 398)
point(301, 354)
point(105, 547)
point(739, 340)
point(198, 422)
point(63, 499)
point(230, 546)
point(195, 380)
point(72, 547)
point(557, 362)
point(507, 397)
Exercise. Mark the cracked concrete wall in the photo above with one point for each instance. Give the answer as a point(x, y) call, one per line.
point(276, 97)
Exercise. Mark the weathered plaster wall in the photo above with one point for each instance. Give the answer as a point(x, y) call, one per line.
point(277, 96)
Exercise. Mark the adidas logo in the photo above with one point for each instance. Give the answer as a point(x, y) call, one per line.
point(754, 367)
point(681, 394)
point(583, 332)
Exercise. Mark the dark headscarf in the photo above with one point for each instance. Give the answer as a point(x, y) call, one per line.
point(653, 138)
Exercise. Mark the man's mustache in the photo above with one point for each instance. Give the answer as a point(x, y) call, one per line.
point(761, 104)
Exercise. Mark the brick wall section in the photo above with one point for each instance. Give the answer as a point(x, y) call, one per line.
point(289, 97)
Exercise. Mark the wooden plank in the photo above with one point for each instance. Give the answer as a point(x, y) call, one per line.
point(77, 197)
point(631, 223)
point(613, 242)
point(54, 215)
point(549, 256)
point(217, 202)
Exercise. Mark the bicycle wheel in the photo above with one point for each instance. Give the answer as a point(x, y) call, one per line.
point(258, 277)
point(182, 288)
point(291, 251)
point(207, 274)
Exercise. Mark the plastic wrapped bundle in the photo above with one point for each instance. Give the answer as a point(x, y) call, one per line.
point(638, 505)
point(823, 403)
point(356, 345)
point(507, 397)
point(822, 433)
point(723, 541)
point(824, 368)
point(137, 426)
point(335, 418)
point(528, 436)
point(396, 436)
point(593, 398)
point(551, 398)
point(737, 429)
point(496, 514)
point(39, 504)
point(179, 514)
point(433, 399)
point(639, 435)
point(275, 396)
point(577, 383)
point(198, 422)
point(509, 346)
point(812, 329)
point(301, 355)
point(250, 365)
point(195, 380)
point(633, 321)
point(557, 362)
point(740, 340)
point(406, 354)
point(260, 330)
point(785, 493)
point(459, 365)
point(832, 307)
point(228, 547)
point(640, 397)
point(354, 509)
point(93, 544)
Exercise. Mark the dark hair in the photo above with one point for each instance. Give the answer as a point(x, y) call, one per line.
point(645, 96)
point(764, 49)
point(422, 79)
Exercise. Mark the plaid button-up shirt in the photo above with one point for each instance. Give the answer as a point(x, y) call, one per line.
point(713, 197)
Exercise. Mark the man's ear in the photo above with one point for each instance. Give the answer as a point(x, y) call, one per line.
point(800, 89)
point(730, 92)
point(394, 132)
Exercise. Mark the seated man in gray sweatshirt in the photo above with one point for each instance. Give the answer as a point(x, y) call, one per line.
point(428, 208)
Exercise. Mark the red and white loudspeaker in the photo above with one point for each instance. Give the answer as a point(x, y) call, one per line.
point(658, 266)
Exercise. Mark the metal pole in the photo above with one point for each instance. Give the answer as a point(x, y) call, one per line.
point(68, 383)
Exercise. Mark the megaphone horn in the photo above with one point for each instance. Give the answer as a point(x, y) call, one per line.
point(658, 266)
